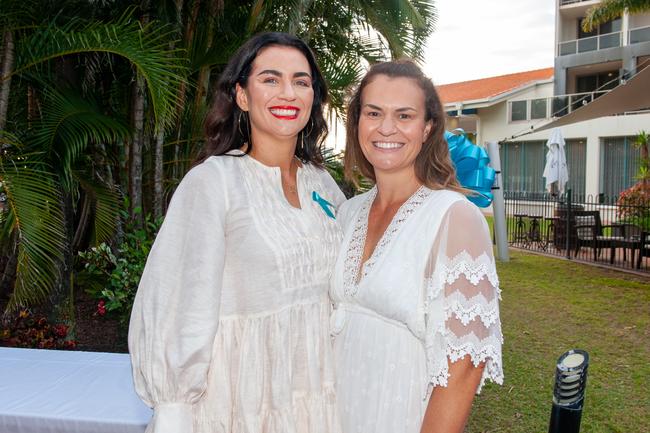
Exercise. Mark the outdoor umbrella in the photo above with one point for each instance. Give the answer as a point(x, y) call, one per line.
point(556, 170)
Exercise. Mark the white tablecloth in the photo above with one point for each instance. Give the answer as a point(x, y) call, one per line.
point(49, 391)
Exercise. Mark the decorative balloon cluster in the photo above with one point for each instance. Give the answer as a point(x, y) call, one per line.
point(471, 162)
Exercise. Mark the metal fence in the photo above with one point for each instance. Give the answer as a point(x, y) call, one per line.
point(609, 232)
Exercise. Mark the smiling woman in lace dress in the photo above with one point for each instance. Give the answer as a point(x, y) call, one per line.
point(229, 331)
point(416, 320)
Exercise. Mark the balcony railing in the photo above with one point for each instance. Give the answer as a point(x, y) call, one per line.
point(638, 35)
point(568, 2)
point(555, 106)
point(562, 105)
point(600, 42)
point(592, 43)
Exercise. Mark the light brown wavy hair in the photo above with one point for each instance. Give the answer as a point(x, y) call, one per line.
point(433, 166)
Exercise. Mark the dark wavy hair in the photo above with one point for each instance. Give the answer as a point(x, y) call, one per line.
point(225, 130)
point(433, 166)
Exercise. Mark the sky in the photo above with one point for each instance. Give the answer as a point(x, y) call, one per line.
point(478, 39)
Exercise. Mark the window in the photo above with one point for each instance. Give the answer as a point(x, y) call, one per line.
point(606, 35)
point(602, 81)
point(619, 164)
point(576, 162)
point(538, 108)
point(522, 165)
point(603, 29)
point(518, 111)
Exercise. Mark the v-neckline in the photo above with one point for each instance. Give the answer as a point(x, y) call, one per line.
point(358, 271)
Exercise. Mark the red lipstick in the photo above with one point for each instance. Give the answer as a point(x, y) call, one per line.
point(285, 112)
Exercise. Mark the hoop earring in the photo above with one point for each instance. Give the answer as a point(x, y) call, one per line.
point(246, 137)
point(311, 127)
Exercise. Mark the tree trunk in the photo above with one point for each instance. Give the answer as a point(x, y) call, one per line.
point(135, 158)
point(158, 175)
point(62, 296)
point(203, 80)
point(82, 225)
point(7, 67)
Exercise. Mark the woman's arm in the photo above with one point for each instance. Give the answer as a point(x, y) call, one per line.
point(463, 330)
point(176, 310)
point(449, 406)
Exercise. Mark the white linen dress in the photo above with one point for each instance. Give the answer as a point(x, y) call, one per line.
point(427, 293)
point(230, 327)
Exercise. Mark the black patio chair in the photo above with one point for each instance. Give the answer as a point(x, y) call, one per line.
point(631, 240)
point(589, 232)
point(644, 248)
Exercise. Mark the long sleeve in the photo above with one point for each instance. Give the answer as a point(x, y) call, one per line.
point(176, 310)
point(462, 297)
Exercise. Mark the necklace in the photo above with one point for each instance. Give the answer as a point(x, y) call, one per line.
point(292, 188)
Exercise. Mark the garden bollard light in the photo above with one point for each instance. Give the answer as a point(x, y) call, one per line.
point(569, 392)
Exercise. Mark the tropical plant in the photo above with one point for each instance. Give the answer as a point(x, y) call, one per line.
point(113, 277)
point(66, 130)
point(634, 202)
point(642, 142)
point(608, 10)
point(634, 205)
point(29, 331)
point(107, 98)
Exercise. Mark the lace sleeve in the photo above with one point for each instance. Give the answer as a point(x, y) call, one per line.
point(462, 297)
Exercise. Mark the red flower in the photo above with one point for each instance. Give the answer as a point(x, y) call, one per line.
point(69, 344)
point(101, 307)
point(60, 330)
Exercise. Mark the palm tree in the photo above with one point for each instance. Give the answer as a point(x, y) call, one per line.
point(608, 10)
point(71, 69)
point(74, 65)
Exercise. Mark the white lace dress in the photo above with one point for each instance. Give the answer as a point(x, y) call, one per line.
point(230, 327)
point(429, 292)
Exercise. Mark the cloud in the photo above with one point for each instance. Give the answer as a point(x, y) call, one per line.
point(495, 38)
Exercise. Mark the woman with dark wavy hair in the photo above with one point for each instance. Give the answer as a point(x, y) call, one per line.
point(416, 320)
point(229, 331)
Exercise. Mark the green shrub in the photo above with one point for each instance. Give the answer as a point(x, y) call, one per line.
point(112, 277)
point(634, 205)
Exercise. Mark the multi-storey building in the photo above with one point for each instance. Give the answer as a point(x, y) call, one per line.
point(600, 153)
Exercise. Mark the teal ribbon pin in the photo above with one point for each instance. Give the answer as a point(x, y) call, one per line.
point(327, 207)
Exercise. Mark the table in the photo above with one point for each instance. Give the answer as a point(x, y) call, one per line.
point(49, 391)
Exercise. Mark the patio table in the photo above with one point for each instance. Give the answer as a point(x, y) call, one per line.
point(50, 391)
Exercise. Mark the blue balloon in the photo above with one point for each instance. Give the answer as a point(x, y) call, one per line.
point(472, 169)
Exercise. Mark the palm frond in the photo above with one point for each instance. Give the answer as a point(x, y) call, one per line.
point(341, 74)
point(146, 48)
point(35, 218)
point(611, 9)
point(69, 123)
point(8, 140)
point(106, 203)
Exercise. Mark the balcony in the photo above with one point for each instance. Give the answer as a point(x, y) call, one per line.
point(561, 105)
point(592, 43)
point(570, 2)
point(600, 42)
point(638, 35)
point(535, 109)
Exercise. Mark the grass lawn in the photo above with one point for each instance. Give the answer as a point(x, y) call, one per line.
point(551, 305)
